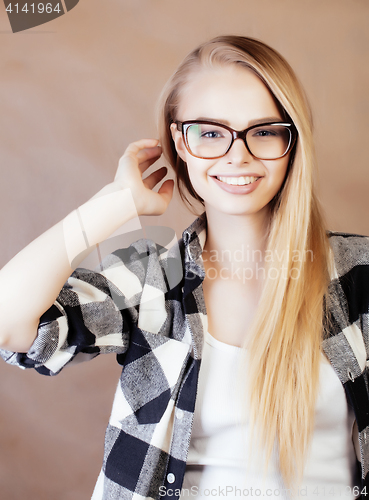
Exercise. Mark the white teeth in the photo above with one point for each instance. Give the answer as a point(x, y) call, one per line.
point(238, 181)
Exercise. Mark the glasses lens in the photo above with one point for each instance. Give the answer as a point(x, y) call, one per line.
point(268, 142)
point(207, 140)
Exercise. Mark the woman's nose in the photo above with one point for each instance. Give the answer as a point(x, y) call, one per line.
point(239, 152)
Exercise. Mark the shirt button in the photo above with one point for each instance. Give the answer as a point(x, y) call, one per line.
point(171, 478)
point(179, 414)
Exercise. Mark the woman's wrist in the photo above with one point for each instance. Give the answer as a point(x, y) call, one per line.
point(97, 219)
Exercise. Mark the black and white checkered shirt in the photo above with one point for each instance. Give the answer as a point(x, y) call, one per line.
point(147, 305)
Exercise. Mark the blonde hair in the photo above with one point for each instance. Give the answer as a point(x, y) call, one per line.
point(285, 351)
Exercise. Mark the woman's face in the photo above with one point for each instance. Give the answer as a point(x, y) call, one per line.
point(234, 96)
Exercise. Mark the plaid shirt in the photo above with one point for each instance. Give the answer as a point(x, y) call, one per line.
point(147, 305)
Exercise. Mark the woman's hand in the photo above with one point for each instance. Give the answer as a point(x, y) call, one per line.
point(136, 160)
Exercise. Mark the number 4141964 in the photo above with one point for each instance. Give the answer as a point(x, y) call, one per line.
point(34, 8)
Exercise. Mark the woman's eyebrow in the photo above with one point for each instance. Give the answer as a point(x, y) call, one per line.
point(266, 119)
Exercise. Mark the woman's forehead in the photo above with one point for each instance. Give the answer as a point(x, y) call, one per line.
point(229, 93)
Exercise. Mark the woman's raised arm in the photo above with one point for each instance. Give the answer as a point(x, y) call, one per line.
point(31, 281)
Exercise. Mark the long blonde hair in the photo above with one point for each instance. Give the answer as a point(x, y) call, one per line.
point(285, 351)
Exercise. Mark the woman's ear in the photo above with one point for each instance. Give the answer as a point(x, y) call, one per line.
point(178, 141)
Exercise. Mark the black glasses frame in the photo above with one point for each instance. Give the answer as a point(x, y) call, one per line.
point(236, 134)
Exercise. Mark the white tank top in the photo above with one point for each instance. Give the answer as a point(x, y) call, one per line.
point(218, 464)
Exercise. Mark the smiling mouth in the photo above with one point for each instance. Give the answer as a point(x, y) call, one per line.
point(237, 181)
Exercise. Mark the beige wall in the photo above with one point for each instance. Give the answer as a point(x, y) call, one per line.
point(73, 93)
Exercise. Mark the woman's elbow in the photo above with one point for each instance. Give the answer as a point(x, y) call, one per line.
point(17, 341)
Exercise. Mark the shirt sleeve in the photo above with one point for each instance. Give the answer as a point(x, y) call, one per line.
point(92, 315)
point(96, 311)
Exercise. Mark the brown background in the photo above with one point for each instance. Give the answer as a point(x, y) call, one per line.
point(73, 93)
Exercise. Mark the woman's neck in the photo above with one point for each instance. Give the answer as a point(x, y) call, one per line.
point(234, 272)
point(235, 238)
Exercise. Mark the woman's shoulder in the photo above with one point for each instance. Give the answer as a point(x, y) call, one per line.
point(138, 249)
point(155, 261)
point(350, 250)
point(132, 260)
point(347, 240)
point(147, 252)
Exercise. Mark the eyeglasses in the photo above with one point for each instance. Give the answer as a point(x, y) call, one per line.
point(208, 140)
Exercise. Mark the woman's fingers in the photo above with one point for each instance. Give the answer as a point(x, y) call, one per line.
point(151, 180)
point(135, 147)
point(143, 151)
point(166, 190)
point(159, 201)
point(138, 157)
point(146, 157)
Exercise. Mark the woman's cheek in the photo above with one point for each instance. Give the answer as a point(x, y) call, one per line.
point(199, 179)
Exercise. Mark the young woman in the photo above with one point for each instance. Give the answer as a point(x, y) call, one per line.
point(271, 307)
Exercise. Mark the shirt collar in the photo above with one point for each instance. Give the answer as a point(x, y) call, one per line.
point(194, 238)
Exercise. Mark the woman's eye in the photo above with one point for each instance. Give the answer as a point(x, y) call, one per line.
point(264, 132)
point(211, 134)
